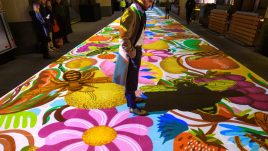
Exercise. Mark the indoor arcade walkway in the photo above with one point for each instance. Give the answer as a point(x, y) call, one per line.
point(198, 98)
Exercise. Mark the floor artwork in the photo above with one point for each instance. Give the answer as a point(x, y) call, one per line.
point(198, 98)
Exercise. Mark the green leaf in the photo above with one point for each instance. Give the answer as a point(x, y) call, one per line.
point(250, 116)
point(243, 113)
point(211, 140)
point(47, 119)
point(192, 74)
point(194, 132)
point(200, 131)
point(28, 119)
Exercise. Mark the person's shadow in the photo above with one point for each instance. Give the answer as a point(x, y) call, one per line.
point(188, 97)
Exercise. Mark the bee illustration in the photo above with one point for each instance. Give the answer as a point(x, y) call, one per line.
point(48, 86)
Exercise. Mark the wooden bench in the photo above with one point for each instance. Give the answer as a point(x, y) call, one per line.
point(244, 27)
point(218, 21)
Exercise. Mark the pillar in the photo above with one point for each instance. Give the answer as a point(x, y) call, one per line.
point(266, 14)
point(182, 9)
point(1, 5)
point(106, 7)
point(21, 26)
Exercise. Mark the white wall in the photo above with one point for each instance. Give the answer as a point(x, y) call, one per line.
point(16, 10)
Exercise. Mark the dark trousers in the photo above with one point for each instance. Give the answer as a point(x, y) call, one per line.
point(133, 78)
point(188, 16)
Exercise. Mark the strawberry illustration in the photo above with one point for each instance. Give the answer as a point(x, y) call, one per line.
point(197, 140)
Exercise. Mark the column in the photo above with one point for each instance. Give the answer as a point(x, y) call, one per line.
point(182, 9)
point(106, 7)
point(1, 5)
point(21, 26)
point(266, 14)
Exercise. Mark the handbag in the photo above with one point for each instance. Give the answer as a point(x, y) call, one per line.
point(55, 27)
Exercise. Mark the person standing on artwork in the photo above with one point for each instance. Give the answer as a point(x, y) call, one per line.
point(132, 26)
point(168, 8)
point(190, 5)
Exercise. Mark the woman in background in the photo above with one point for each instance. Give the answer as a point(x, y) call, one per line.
point(61, 19)
point(41, 29)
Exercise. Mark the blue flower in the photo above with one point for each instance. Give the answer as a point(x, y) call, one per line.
point(170, 127)
point(233, 131)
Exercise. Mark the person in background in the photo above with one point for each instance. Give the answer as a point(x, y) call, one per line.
point(153, 4)
point(132, 26)
point(168, 8)
point(42, 29)
point(123, 5)
point(50, 24)
point(47, 16)
point(61, 18)
point(190, 5)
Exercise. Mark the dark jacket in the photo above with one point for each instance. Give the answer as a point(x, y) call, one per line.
point(190, 4)
point(131, 25)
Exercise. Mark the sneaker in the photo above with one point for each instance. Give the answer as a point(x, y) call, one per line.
point(139, 100)
point(138, 111)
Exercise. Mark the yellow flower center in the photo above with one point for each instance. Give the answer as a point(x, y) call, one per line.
point(149, 54)
point(99, 135)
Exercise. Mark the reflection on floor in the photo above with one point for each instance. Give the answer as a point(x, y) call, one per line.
point(198, 97)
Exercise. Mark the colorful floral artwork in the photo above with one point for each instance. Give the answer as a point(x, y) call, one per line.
point(155, 55)
point(97, 130)
point(198, 98)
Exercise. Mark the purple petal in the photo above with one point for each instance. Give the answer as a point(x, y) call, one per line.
point(79, 113)
point(99, 116)
point(79, 123)
point(63, 135)
point(58, 146)
point(118, 118)
point(101, 148)
point(126, 143)
point(144, 141)
point(79, 146)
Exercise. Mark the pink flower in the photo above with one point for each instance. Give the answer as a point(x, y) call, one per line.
point(155, 55)
point(149, 73)
point(97, 130)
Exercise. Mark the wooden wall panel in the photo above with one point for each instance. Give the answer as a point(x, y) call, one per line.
point(218, 21)
point(244, 27)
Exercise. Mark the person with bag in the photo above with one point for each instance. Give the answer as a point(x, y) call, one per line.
point(46, 12)
point(61, 18)
point(41, 29)
point(132, 27)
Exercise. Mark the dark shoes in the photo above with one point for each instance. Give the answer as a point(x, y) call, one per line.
point(139, 100)
point(138, 111)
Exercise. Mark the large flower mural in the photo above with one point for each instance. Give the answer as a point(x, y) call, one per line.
point(98, 130)
point(149, 73)
point(155, 55)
